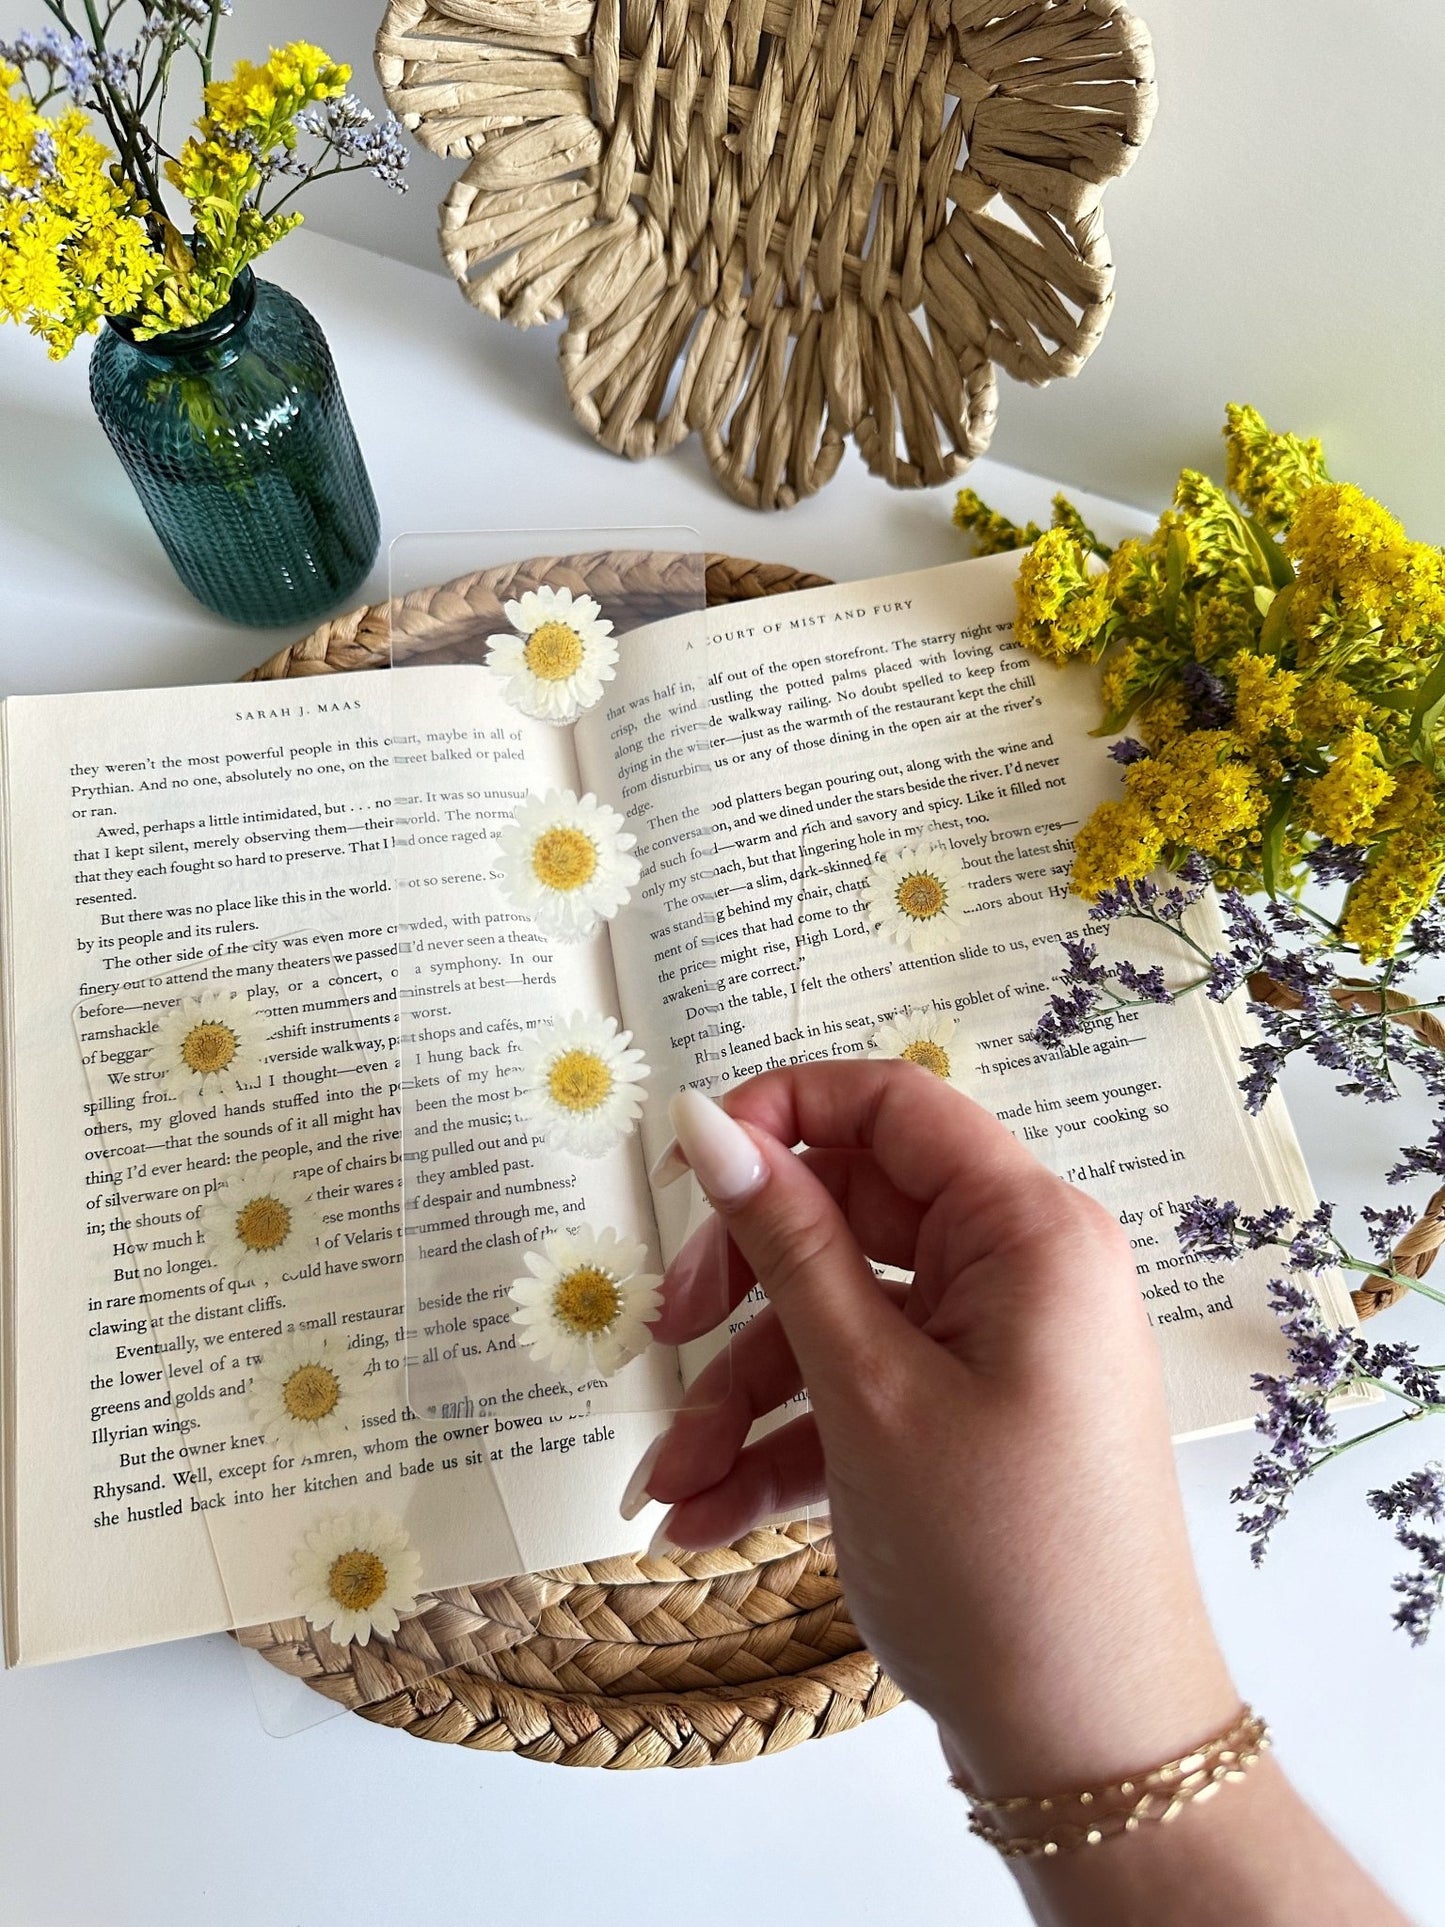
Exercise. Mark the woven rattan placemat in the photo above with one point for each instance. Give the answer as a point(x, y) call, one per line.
point(698, 1660)
point(779, 224)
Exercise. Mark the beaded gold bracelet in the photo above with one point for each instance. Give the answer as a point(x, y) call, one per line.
point(1083, 1819)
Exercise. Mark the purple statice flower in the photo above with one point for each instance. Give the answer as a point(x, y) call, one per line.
point(1210, 704)
point(1217, 1228)
point(1287, 919)
point(1249, 935)
point(1295, 1422)
point(1314, 1246)
point(355, 135)
point(1364, 1053)
point(1263, 1064)
point(1128, 750)
point(1422, 1160)
point(1147, 984)
point(1401, 1363)
point(1082, 979)
point(1386, 1228)
point(1335, 862)
point(1226, 974)
point(43, 156)
point(1063, 1018)
point(162, 15)
point(1426, 935)
point(1144, 898)
point(71, 62)
point(1419, 1497)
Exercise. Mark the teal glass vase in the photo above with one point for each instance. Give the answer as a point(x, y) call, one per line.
point(237, 440)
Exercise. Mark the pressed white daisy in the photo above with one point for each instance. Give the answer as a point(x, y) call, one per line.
point(357, 1575)
point(581, 1082)
point(566, 860)
point(923, 1037)
point(561, 653)
point(586, 1307)
point(261, 1224)
point(304, 1394)
point(208, 1044)
point(914, 896)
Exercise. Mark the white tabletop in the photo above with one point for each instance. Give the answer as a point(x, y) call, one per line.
point(142, 1789)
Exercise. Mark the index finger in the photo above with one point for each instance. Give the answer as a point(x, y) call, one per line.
point(924, 1134)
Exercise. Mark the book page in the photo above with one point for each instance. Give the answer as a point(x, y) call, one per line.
point(148, 829)
point(855, 720)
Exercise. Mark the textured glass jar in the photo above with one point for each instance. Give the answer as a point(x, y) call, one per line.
point(237, 439)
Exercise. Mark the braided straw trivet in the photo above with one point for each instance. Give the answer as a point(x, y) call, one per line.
point(783, 222)
point(695, 1660)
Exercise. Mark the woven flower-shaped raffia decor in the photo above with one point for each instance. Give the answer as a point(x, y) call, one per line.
point(783, 222)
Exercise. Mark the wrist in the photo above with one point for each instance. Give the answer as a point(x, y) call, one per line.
point(1088, 1731)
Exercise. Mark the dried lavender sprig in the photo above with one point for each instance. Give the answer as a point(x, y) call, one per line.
point(1419, 1496)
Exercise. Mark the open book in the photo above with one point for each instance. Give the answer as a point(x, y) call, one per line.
point(151, 828)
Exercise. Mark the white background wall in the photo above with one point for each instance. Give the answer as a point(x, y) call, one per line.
point(1281, 239)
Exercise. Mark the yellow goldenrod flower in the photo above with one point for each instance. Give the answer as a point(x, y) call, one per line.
point(1344, 803)
point(1269, 473)
point(1403, 877)
point(219, 171)
point(1284, 666)
point(1062, 606)
point(72, 246)
point(1118, 844)
point(1328, 706)
point(1265, 697)
point(1201, 791)
point(993, 533)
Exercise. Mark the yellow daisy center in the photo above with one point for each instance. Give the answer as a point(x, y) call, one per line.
point(311, 1392)
point(579, 1081)
point(587, 1300)
point(553, 651)
point(357, 1579)
point(921, 896)
point(931, 1056)
point(207, 1048)
point(564, 858)
point(263, 1224)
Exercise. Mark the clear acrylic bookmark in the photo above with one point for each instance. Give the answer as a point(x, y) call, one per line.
point(559, 977)
point(247, 1138)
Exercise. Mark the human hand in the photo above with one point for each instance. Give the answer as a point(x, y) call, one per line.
point(991, 1440)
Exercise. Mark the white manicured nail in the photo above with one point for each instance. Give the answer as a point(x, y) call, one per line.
point(724, 1159)
point(671, 1166)
point(659, 1546)
point(636, 1496)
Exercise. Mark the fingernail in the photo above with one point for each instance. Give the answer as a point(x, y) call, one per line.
point(659, 1546)
point(671, 1166)
point(636, 1495)
point(726, 1162)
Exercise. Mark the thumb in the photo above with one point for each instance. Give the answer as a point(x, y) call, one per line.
point(841, 1326)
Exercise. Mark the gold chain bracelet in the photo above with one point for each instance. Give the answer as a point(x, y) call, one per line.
point(1083, 1819)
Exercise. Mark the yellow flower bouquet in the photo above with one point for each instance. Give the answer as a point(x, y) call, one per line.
point(1277, 659)
point(1271, 663)
point(84, 228)
point(217, 390)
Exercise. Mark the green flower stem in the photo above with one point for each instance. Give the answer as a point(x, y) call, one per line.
point(1363, 1438)
point(1315, 916)
point(305, 181)
point(1148, 916)
point(1388, 1276)
point(111, 109)
point(1420, 1405)
point(208, 55)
